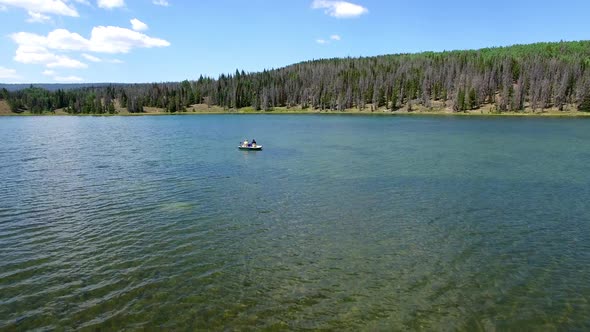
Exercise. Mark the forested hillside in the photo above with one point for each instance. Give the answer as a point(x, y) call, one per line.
point(536, 76)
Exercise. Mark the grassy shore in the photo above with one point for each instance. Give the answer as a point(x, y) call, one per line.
point(485, 110)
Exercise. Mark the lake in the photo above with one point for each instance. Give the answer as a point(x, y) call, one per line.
point(340, 223)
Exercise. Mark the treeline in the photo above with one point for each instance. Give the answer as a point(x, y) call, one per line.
point(536, 76)
point(82, 101)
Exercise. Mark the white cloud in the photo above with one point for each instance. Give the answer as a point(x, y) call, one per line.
point(31, 54)
point(48, 50)
point(339, 9)
point(110, 4)
point(138, 25)
point(27, 38)
point(163, 3)
point(91, 57)
point(57, 7)
point(103, 39)
point(6, 73)
point(66, 62)
point(59, 39)
point(112, 39)
point(3, 8)
point(38, 18)
point(62, 39)
point(68, 79)
point(56, 77)
point(323, 41)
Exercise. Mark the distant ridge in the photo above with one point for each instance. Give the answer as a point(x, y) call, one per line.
point(54, 86)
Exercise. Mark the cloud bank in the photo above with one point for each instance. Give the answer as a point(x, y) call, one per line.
point(38, 49)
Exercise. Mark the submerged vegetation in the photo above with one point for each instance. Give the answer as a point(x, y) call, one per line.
point(506, 79)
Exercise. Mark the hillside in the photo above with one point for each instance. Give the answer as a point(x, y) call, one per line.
point(519, 78)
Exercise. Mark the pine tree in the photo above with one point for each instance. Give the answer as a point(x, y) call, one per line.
point(394, 100)
point(472, 99)
point(584, 105)
point(459, 105)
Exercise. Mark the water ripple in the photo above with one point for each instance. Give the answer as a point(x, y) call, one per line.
point(409, 224)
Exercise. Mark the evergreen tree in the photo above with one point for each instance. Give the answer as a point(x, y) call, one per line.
point(3, 94)
point(394, 100)
point(459, 105)
point(584, 105)
point(472, 99)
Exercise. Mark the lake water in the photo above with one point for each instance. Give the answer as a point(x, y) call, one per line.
point(341, 223)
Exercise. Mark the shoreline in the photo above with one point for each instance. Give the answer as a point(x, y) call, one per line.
point(487, 110)
point(301, 112)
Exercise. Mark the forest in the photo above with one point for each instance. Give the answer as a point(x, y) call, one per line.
point(509, 79)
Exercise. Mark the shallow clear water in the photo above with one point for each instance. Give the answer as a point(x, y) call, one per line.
point(341, 222)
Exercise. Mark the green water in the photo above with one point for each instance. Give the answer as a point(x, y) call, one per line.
point(340, 223)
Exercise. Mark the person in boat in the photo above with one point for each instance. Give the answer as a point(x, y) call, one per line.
point(253, 142)
point(245, 143)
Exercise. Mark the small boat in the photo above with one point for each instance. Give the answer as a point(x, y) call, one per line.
point(251, 147)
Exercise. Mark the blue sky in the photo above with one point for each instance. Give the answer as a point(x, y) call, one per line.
point(172, 40)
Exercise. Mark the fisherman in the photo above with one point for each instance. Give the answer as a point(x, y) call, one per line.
point(245, 144)
point(253, 142)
